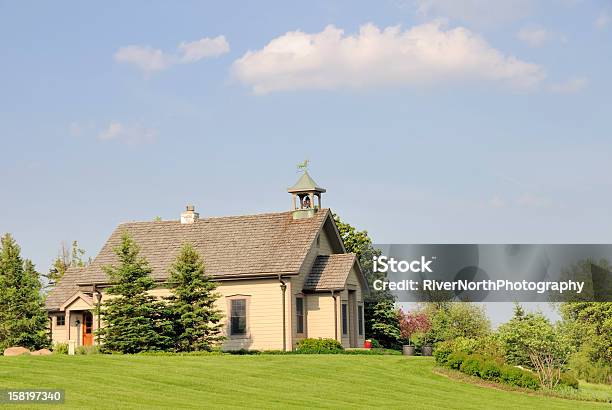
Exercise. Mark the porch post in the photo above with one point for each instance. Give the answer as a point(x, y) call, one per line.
point(68, 322)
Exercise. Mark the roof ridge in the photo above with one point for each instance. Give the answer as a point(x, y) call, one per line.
point(172, 221)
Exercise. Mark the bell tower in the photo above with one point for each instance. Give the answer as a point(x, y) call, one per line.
point(305, 195)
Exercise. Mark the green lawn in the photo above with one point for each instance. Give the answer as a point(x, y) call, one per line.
point(259, 381)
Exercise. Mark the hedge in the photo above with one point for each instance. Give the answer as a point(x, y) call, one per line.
point(488, 369)
point(319, 346)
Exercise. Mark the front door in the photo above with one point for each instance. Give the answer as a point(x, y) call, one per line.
point(87, 329)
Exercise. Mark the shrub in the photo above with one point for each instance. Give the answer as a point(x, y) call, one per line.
point(471, 365)
point(60, 348)
point(455, 360)
point(375, 344)
point(442, 352)
point(489, 370)
point(465, 345)
point(568, 380)
point(87, 350)
point(462, 345)
point(518, 377)
point(319, 346)
point(489, 346)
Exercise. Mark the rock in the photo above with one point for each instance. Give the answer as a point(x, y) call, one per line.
point(42, 352)
point(15, 351)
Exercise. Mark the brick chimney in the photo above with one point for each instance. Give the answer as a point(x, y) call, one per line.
point(190, 215)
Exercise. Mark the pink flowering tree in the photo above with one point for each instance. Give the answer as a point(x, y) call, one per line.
point(413, 322)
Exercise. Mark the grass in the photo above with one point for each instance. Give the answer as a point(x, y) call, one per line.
point(336, 381)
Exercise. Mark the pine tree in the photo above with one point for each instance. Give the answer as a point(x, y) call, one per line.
point(197, 320)
point(134, 320)
point(23, 319)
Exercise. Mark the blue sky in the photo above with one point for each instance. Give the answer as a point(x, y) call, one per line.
point(428, 121)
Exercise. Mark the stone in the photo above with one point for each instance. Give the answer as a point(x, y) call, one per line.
point(42, 352)
point(15, 351)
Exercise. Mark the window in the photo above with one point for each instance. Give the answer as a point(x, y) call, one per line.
point(360, 319)
point(60, 320)
point(344, 319)
point(238, 323)
point(299, 314)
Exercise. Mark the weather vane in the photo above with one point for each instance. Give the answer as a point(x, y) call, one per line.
point(302, 166)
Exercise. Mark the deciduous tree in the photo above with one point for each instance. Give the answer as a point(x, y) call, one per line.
point(66, 259)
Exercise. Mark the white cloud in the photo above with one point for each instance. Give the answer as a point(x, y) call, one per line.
point(426, 54)
point(150, 59)
point(130, 134)
point(570, 86)
point(535, 36)
point(485, 12)
point(206, 47)
point(146, 58)
point(603, 20)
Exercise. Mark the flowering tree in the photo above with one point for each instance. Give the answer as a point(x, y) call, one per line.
point(413, 322)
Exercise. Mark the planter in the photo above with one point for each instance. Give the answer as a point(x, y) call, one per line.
point(408, 350)
point(426, 350)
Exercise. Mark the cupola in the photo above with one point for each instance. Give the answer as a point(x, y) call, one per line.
point(306, 195)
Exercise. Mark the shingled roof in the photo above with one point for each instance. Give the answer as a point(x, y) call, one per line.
point(249, 245)
point(65, 289)
point(329, 272)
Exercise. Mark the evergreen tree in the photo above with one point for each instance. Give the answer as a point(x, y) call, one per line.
point(384, 323)
point(134, 320)
point(23, 319)
point(197, 320)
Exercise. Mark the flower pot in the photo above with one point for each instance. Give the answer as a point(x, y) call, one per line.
point(367, 344)
point(408, 350)
point(426, 350)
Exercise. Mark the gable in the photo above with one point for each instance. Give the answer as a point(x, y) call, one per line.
point(78, 301)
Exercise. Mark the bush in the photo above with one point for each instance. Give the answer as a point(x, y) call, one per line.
point(471, 365)
point(319, 346)
point(518, 377)
point(568, 380)
point(486, 368)
point(488, 348)
point(442, 352)
point(489, 370)
point(60, 348)
point(455, 360)
point(87, 350)
point(465, 345)
point(375, 344)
